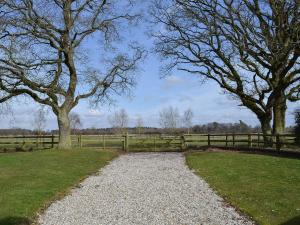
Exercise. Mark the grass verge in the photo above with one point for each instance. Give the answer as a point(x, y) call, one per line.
point(29, 181)
point(267, 188)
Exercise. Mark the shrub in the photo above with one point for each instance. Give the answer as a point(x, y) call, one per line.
point(19, 149)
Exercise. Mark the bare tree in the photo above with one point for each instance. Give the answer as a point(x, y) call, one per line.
point(119, 121)
point(139, 124)
point(40, 121)
point(250, 48)
point(5, 108)
point(187, 119)
point(75, 122)
point(43, 53)
point(169, 118)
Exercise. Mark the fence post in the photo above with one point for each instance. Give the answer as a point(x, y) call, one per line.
point(127, 142)
point(249, 140)
point(278, 144)
point(23, 141)
point(183, 145)
point(103, 141)
point(226, 142)
point(123, 142)
point(80, 138)
point(233, 140)
point(37, 141)
point(258, 139)
point(208, 139)
point(52, 141)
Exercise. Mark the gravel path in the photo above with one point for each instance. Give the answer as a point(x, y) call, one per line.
point(143, 188)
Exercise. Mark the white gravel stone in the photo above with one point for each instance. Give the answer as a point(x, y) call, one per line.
point(143, 189)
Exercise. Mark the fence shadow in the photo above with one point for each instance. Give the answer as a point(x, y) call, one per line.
point(15, 221)
point(293, 221)
point(259, 151)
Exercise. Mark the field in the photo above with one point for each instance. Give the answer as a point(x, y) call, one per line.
point(264, 187)
point(152, 142)
point(28, 181)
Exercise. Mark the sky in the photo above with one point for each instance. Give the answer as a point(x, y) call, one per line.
point(151, 94)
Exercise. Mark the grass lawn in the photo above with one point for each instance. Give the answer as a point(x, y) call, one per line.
point(266, 188)
point(28, 181)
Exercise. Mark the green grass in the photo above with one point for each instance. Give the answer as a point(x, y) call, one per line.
point(266, 188)
point(28, 181)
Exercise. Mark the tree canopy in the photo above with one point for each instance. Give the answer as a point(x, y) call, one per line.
point(43, 55)
point(250, 48)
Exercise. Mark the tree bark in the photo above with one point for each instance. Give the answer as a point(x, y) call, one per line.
point(64, 130)
point(279, 111)
point(266, 130)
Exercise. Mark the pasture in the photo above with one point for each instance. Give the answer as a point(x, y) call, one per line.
point(29, 181)
point(264, 187)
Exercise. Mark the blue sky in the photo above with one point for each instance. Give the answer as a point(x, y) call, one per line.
point(150, 95)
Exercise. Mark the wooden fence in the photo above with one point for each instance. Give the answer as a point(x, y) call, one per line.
point(27, 143)
point(131, 142)
point(255, 140)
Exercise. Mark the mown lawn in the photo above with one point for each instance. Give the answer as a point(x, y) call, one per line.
point(28, 181)
point(266, 188)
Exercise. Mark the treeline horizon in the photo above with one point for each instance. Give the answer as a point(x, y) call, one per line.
point(212, 128)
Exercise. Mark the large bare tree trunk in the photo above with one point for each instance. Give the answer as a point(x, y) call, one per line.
point(266, 130)
point(64, 130)
point(279, 111)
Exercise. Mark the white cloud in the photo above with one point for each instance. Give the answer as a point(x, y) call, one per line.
point(172, 81)
point(94, 113)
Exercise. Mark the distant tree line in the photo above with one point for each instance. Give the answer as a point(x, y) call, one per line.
point(212, 128)
point(16, 131)
point(215, 127)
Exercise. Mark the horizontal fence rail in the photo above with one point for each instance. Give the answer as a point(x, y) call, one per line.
point(256, 140)
point(153, 142)
point(27, 142)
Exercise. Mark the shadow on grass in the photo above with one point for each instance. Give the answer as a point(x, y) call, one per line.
point(15, 221)
point(293, 221)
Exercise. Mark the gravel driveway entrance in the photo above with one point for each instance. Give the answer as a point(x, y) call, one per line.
point(143, 188)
